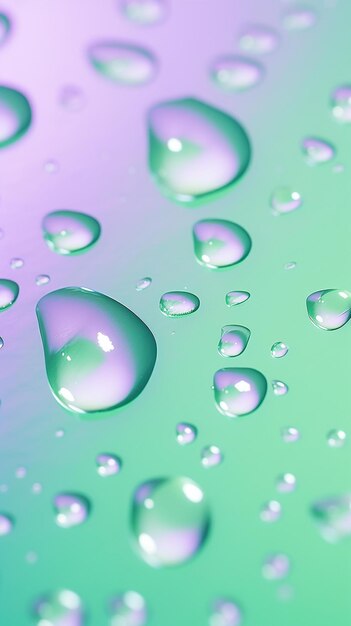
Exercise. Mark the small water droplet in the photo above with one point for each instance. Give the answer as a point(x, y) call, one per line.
point(128, 609)
point(276, 566)
point(279, 349)
point(5, 28)
point(339, 168)
point(21, 472)
point(9, 291)
point(72, 98)
point(71, 509)
point(108, 464)
point(333, 517)
point(238, 391)
point(299, 18)
point(336, 438)
point(285, 200)
point(290, 265)
point(42, 279)
point(225, 612)
point(37, 488)
point(59, 608)
point(233, 298)
point(290, 434)
point(211, 456)
point(15, 114)
point(195, 150)
point(233, 341)
point(59, 433)
point(6, 524)
point(179, 303)
point(279, 388)
point(234, 73)
point(16, 263)
point(143, 283)
point(258, 39)
point(98, 354)
point(123, 63)
point(51, 166)
point(286, 482)
point(329, 309)
point(70, 232)
point(220, 243)
point(271, 511)
point(186, 433)
point(31, 557)
point(317, 151)
point(170, 520)
point(341, 103)
point(144, 12)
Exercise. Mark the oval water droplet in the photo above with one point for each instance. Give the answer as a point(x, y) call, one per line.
point(225, 612)
point(16, 263)
point(279, 349)
point(317, 151)
point(329, 309)
point(143, 283)
point(233, 341)
point(238, 391)
point(9, 291)
point(234, 73)
point(42, 279)
point(279, 388)
point(71, 509)
point(186, 433)
point(285, 200)
point(258, 39)
point(6, 524)
point(15, 115)
point(195, 150)
point(290, 434)
point(59, 608)
point(5, 28)
point(336, 438)
point(271, 511)
point(108, 464)
point(286, 482)
point(276, 566)
point(299, 18)
point(333, 517)
point(128, 609)
point(98, 354)
point(220, 243)
point(70, 232)
point(233, 298)
point(170, 520)
point(341, 103)
point(144, 12)
point(211, 456)
point(123, 63)
point(179, 303)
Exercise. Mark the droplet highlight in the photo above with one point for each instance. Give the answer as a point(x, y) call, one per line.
point(143, 283)
point(70, 232)
point(220, 243)
point(238, 391)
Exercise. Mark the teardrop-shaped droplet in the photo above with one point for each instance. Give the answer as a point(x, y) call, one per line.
point(238, 390)
point(128, 609)
point(6, 524)
point(286, 482)
point(271, 511)
point(144, 12)
point(5, 28)
point(233, 298)
point(341, 103)
point(98, 354)
point(234, 73)
point(220, 243)
point(233, 341)
point(333, 517)
point(279, 349)
point(170, 520)
point(299, 18)
point(211, 456)
point(15, 115)
point(71, 509)
point(59, 608)
point(285, 200)
point(108, 464)
point(336, 438)
point(186, 433)
point(70, 232)
point(179, 303)
point(329, 309)
point(123, 63)
point(195, 150)
point(279, 388)
point(225, 612)
point(9, 291)
point(143, 283)
point(317, 151)
point(258, 39)
point(276, 566)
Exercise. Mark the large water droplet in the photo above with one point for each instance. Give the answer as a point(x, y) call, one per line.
point(317, 151)
point(238, 391)
point(336, 438)
point(71, 509)
point(333, 516)
point(108, 464)
point(234, 73)
point(220, 243)
point(329, 309)
point(6, 524)
point(15, 115)
point(195, 150)
point(9, 291)
point(233, 298)
point(233, 341)
point(186, 433)
point(285, 200)
point(5, 28)
point(59, 608)
point(144, 12)
point(225, 612)
point(170, 520)
point(98, 354)
point(341, 103)
point(128, 609)
point(70, 232)
point(179, 303)
point(123, 63)
point(258, 39)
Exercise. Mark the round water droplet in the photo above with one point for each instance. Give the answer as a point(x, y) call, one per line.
point(21, 472)
point(72, 98)
point(59, 608)
point(179, 303)
point(211, 456)
point(233, 298)
point(42, 279)
point(285, 200)
point(123, 63)
point(170, 520)
point(290, 434)
point(16, 263)
point(186, 433)
point(195, 150)
point(329, 309)
point(5, 28)
point(108, 464)
point(238, 391)
point(336, 438)
point(37, 488)
point(225, 612)
point(220, 243)
point(233, 341)
point(279, 388)
point(71, 509)
point(9, 291)
point(128, 609)
point(299, 18)
point(286, 483)
point(143, 283)
point(276, 566)
point(6, 524)
point(59, 433)
point(98, 354)
point(70, 232)
point(257, 39)
point(279, 349)
point(341, 103)
point(317, 151)
point(15, 115)
point(234, 73)
point(51, 166)
point(144, 12)
point(271, 511)
point(333, 517)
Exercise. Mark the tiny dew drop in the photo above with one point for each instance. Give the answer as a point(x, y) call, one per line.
point(279, 388)
point(143, 283)
point(299, 18)
point(16, 263)
point(71, 509)
point(211, 456)
point(276, 566)
point(128, 609)
point(186, 433)
point(42, 279)
point(108, 464)
point(336, 438)
point(271, 511)
point(279, 349)
point(225, 612)
point(286, 482)
point(290, 434)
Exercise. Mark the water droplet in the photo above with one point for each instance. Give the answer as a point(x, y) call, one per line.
point(211, 456)
point(123, 63)
point(31, 558)
point(143, 283)
point(329, 309)
point(1, 343)
point(317, 151)
point(71, 509)
point(98, 354)
point(186, 433)
point(336, 438)
point(59, 608)
point(144, 12)
point(9, 291)
point(225, 612)
point(179, 303)
point(195, 150)
point(220, 243)
point(51, 166)
point(59, 433)
point(238, 391)
point(290, 434)
point(37, 488)
point(235, 73)
point(128, 609)
point(339, 168)
point(72, 98)
point(290, 265)
point(70, 232)
point(286, 483)
point(233, 298)
point(170, 520)
point(333, 517)
point(257, 39)
point(299, 19)
point(276, 566)
point(108, 464)
point(271, 511)
point(285, 200)
point(279, 388)
point(5, 28)
point(341, 103)
point(6, 524)
point(21, 472)
point(233, 341)
point(42, 279)
point(279, 349)
point(15, 115)
point(16, 263)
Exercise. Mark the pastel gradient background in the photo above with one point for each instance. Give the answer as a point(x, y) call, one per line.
point(102, 156)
